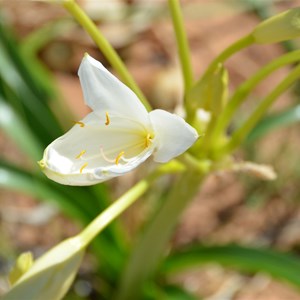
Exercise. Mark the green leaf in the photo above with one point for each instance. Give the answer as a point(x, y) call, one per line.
point(173, 292)
point(18, 131)
point(36, 40)
point(210, 92)
point(21, 181)
point(275, 121)
point(283, 266)
point(163, 291)
point(41, 75)
point(26, 95)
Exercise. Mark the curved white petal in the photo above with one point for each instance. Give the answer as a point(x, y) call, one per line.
point(103, 92)
point(92, 152)
point(173, 135)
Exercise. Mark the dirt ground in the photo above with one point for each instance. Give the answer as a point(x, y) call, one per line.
point(230, 207)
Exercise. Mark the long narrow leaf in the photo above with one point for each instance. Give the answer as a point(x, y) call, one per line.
point(36, 40)
point(24, 182)
point(17, 130)
point(282, 266)
point(23, 92)
point(173, 292)
point(275, 121)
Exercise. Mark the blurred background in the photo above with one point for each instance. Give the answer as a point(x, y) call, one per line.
point(41, 47)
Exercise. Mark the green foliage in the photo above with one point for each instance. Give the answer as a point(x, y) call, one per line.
point(285, 118)
point(173, 292)
point(283, 266)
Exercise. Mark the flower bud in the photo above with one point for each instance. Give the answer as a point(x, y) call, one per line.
point(202, 119)
point(210, 92)
point(50, 276)
point(22, 265)
point(281, 27)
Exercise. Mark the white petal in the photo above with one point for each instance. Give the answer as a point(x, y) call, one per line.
point(96, 152)
point(173, 135)
point(103, 92)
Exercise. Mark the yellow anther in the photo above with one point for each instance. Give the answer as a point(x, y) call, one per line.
point(148, 140)
point(107, 119)
point(83, 166)
point(80, 154)
point(119, 157)
point(81, 124)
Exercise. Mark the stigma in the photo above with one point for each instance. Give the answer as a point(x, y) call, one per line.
point(148, 140)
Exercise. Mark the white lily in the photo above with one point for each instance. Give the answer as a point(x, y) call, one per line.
point(117, 136)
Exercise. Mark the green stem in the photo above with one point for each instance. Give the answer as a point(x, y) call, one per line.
point(113, 211)
point(244, 89)
point(232, 49)
point(153, 242)
point(105, 47)
point(182, 43)
point(242, 132)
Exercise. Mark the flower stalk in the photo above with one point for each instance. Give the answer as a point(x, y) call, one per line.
point(127, 199)
point(242, 43)
point(182, 43)
point(153, 242)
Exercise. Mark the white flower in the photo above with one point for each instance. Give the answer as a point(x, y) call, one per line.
point(117, 136)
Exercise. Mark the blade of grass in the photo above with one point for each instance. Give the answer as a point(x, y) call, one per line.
point(39, 38)
point(274, 121)
point(283, 266)
point(241, 133)
point(19, 180)
point(22, 91)
point(17, 130)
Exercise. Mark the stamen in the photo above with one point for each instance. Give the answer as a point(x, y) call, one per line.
point(83, 166)
point(81, 124)
point(119, 157)
point(148, 140)
point(107, 119)
point(116, 160)
point(80, 154)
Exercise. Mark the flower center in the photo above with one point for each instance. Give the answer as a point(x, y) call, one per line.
point(114, 155)
point(121, 154)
